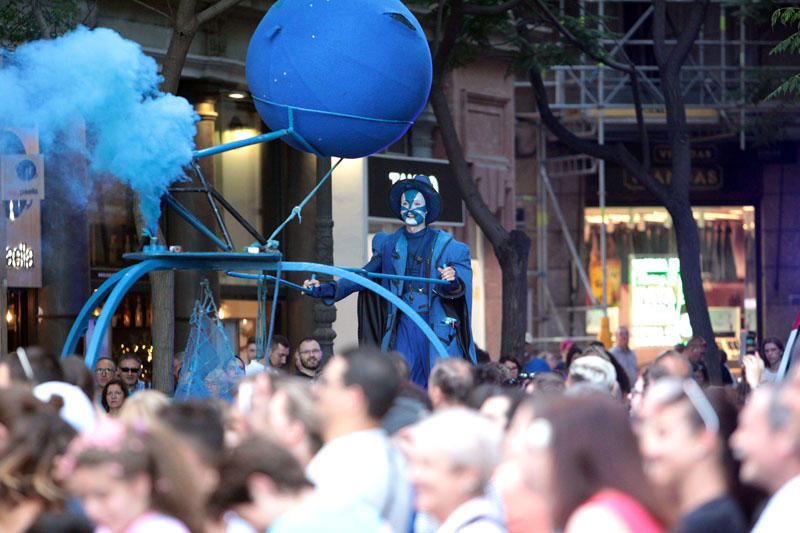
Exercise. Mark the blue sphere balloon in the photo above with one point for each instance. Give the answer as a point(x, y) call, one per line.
point(355, 73)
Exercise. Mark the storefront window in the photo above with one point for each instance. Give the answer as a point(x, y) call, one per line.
point(644, 291)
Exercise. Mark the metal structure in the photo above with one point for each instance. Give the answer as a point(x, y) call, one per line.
point(722, 70)
point(261, 258)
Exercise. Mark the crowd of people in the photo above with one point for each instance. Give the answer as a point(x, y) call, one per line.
point(580, 441)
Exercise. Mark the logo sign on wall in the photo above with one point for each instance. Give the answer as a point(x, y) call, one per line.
point(21, 192)
point(22, 177)
point(383, 171)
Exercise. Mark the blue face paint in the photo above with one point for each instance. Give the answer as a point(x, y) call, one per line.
point(412, 208)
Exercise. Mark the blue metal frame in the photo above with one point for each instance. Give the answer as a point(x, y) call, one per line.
point(116, 287)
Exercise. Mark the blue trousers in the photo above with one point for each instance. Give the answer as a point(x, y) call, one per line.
point(416, 349)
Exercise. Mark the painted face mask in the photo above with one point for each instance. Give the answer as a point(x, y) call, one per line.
point(412, 208)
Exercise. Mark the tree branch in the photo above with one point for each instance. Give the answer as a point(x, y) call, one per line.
point(216, 9)
point(563, 30)
point(688, 36)
point(612, 153)
point(44, 27)
point(453, 27)
point(483, 216)
point(153, 9)
point(490, 10)
point(660, 31)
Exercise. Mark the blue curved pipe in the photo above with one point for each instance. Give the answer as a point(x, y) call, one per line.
point(118, 286)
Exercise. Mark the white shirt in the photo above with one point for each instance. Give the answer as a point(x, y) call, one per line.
point(364, 466)
point(253, 367)
point(478, 515)
point(780, 514)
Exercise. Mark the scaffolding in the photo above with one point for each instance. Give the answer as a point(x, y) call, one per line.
point(725, 68)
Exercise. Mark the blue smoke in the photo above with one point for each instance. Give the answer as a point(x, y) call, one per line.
point(99, 80)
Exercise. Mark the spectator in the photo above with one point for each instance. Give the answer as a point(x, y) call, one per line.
point(130, 367)
point(358, 462)
point(590, 466)
point(294, 419)
point(177, 366)
point(512, 365)
point(133, 480)
point(264, 484)
point(555, 361)
point(76, 373)
point(27, 486)
point(30, 365)
point(536, 364)
point(547, 383)
point(200, 435)
point(595, 371)
point(623, 354)
point(671, 363)
point(695, 352)
point(250, 352)
point(450, 383)
point(105, 369)
point(260, 480)
point(144, 408)
point(771, 353)
point(452, 456)
point(491, 373)
point(307, 358)
point(500, 404)
point(767, 444)
point(279, 351)
point(684, 442)
point(114, 395)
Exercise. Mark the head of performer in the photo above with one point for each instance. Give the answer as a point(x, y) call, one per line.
point(415, 201)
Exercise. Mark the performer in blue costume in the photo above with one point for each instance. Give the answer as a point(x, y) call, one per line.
point(420, 251)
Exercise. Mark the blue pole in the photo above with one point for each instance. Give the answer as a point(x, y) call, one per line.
point(82, 321)
point(244, 275)
point(263, 138)
point(195, 222)
point(378, 275)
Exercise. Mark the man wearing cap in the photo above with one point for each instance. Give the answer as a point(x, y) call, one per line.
point(419, 251)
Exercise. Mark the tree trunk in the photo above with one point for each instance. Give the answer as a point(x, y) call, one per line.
point(163, 289)
point(514, 265)
point(324, 315)
point(511, 249)
point(688, 241)
point(182, 36)
point(163, 283)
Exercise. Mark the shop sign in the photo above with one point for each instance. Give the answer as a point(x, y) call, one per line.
point(701, 179)
point(656, 300)
point(384, 170)
point(22, 177)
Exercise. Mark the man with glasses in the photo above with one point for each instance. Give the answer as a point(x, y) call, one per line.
point(104, 371)
point(683, 437)
point(307, 358)
point(130, 366)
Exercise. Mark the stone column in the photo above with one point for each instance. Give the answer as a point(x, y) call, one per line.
point(65, 243)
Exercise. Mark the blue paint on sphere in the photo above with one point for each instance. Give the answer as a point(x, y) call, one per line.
point(368, 60)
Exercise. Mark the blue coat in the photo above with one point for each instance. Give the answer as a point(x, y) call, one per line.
point(389, 252)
